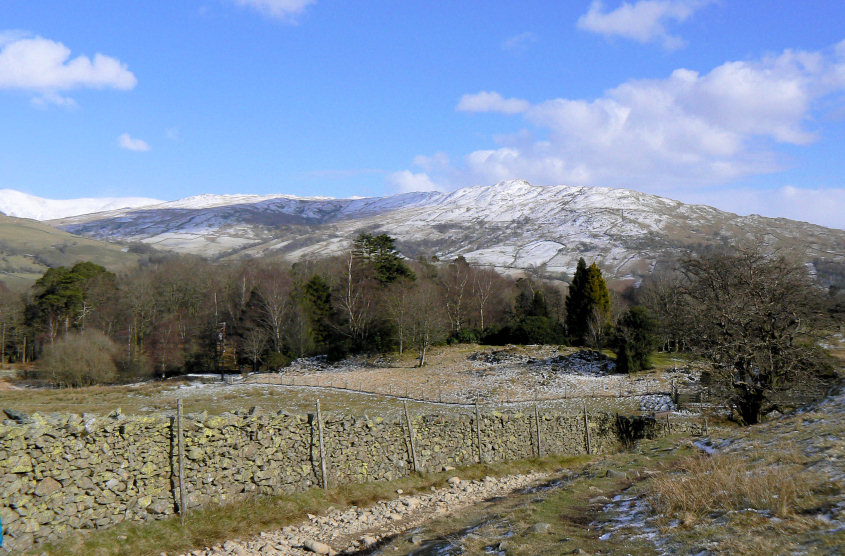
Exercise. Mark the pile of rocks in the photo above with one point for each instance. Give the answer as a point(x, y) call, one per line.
point(584, 362)
point(657, 403)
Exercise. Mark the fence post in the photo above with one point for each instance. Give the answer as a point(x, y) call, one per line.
point(181, 448)
point(411, 436)
point(587, 429)
point(478, 431)
point(322, 451)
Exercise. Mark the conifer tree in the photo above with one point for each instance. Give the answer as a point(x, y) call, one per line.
point(634, 339)
point(588, 301)
point(318, 307)
point(380, 251)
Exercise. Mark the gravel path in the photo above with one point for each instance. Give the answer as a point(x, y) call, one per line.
point(354, 529)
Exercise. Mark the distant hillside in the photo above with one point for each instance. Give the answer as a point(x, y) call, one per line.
point(23, 205)
point(511, 225)
point(28, 248)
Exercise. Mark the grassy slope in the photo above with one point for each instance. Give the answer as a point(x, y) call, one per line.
point(28, 248)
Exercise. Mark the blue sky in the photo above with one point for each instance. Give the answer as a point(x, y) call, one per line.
point(740, 105)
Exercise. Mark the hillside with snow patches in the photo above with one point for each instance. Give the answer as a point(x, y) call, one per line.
point(511, 225)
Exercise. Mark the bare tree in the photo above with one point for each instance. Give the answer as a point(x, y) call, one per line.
point(756, 317)
point(398, 302)
point(253, 344)
point(273, 286)
point(597, 329)
point(427, 318)
point(356, 297)
point(483, 285)
point(661, 294)
point(456, 285)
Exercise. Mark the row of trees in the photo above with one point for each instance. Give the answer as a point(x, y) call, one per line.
point(180, 314)
point(755, 316)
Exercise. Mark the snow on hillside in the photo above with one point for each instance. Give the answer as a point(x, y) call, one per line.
point(22, 205)
point(510, 225)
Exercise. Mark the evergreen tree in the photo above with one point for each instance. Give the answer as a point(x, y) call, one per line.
point(61, 296)
point(587, 303)
point(634, 339)
point(539, 307)
point(380, 252)
point(318, 308)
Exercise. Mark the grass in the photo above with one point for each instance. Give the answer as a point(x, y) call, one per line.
point(28, 248)
point(448, 377)
point(705, 484)
point(246, 518)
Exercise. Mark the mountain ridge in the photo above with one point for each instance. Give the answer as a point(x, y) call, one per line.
point(511, 225)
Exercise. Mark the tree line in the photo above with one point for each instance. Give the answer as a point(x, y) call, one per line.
point(179, 314)
point(756, 317)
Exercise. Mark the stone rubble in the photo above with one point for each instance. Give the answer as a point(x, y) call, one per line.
point(354, 529)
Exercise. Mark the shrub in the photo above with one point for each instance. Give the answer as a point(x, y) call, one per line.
point(465, 336)
point(79, 359)
point(529, 330)
point(276, 360)
point(634, 339)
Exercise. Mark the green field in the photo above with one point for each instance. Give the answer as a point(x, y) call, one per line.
point(28, 248)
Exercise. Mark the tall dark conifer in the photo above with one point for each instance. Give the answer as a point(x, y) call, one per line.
point(588, 301)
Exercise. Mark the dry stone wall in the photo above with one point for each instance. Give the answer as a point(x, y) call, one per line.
point(64, 473)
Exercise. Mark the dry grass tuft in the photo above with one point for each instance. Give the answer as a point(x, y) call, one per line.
point(729, 482)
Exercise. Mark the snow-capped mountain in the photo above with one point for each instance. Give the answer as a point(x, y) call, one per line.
point(23, 205)
point(510, 225)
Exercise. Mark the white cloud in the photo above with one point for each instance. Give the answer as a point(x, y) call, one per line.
point(46, 99)
point(825, 206)
point(125, 141)
point(687, 132)
point(45, 67)
point(406, 181)
point(488, 101)
point(685, 129)
point(279, 9)
point(520, 42)
point(644, 21)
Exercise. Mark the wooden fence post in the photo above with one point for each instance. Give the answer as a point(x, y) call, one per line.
point(181, 448)
point(411, 436)
point(587, 429)
point(478, 431)
point(322, 450)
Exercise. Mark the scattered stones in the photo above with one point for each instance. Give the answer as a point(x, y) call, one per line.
point(454, 481)
point(387, 517)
